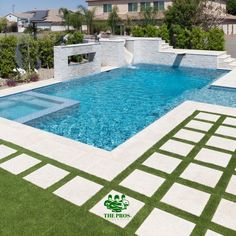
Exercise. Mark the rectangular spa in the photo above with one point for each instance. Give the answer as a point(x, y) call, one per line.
point(106, 109)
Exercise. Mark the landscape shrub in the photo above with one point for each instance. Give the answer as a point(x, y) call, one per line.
point(216, 39)
point(46, 52)
point(199, 38)
point(164, 33)
point(138, 31)
point(11, 83)
point(7, 55)
point(75, 38)
point(180, 37)
point(151, 31)
point(29, 52)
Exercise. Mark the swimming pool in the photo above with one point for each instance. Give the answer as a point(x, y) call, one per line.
point(115, 105)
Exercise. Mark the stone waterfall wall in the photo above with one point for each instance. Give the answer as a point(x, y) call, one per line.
point(64, 71)
point(148, 50)
point(113, 53)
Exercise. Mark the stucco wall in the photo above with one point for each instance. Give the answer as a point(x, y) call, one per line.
point(63, 71)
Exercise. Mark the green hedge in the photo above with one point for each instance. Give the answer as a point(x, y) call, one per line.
point(32, 51)
point(151, 31)
point(179, 37)
point(7, 55)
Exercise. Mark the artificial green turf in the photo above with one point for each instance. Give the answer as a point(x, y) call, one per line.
point(29, 210)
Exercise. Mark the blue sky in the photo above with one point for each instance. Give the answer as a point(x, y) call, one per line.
point(24, 5)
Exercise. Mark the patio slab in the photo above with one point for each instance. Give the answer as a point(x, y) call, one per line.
point(195, 124)
point(230, 121)
point(143, 182)
point(6, 151)
point(78, 190)
point(213, 157)
point(231, 188)
point(226, 214)
point(163, 223)
point(189, 135)
point(227, 131)
point(212, 233)
point(162, 162)
point(207, 116)
point(185, 198)
point(119, 218)
point(202, 175)
point(46, 176)
point(180, 148)
point(223, 143)
point(19, 164)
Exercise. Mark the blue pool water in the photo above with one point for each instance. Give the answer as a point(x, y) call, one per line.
point(114, 106)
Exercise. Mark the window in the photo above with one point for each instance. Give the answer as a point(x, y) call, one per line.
point(159, 6)
point(132, 7)
point(107, 8)
point(144, 5)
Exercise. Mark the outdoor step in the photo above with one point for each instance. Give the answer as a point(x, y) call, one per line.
point(167, 47)
point(227, 67)
point(229, 60)
point(224, 56)
point(165, 44)
point(233, 63)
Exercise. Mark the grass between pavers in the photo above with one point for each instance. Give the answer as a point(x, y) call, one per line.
point(29, 210)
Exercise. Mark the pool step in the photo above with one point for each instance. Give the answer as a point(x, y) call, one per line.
point(165, 46)
point(225, 61)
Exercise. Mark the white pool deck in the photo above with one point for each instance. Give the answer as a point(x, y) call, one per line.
point(104, 164)
point(96, 161)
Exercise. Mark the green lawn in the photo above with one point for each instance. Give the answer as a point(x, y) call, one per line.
point(29, 210)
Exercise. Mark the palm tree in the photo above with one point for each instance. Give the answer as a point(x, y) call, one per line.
point(89, 16)
point(113, 18)
point(66, 16)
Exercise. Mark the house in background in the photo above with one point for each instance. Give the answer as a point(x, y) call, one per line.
point(22, 20)
point(44, 19)
point(132, 9)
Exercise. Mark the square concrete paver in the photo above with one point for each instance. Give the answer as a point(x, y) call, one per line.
point(207, 116)
point(162, 162)
point(186, 198)
point(78, 190)
point(129, 208)
point(19, 164)
point(231, 188)
point(230, 121)
point(226, 131)
point(46, 176)
point(213, 157)
point(200, 125)
point(225, 214)
point(189, 135)
point(223, 143)
point(180, 148)
point(212, 233)
point(164, 224)
point(6, 151)
point(202, 175)
point(143, 182)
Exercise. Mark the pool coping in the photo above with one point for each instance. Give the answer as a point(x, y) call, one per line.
point(101, 163)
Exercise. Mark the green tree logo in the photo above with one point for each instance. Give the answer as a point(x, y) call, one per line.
point(116, 204)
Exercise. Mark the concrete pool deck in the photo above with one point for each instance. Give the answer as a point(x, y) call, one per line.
point(103, 164)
